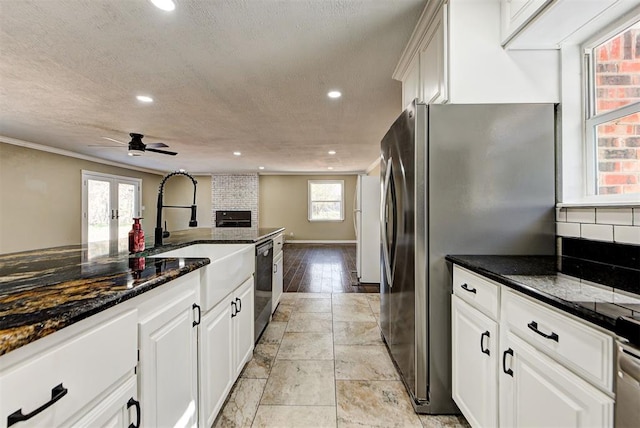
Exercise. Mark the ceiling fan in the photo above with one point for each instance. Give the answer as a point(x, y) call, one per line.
point(137, 147)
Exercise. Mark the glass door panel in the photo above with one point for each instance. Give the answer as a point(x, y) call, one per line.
point(98, 210)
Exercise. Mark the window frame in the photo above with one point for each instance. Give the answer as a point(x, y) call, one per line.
point(591, 120)
point(310, 200)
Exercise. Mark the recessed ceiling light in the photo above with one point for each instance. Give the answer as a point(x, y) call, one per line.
point(260, 167)
point(167, 5)
point(237, 153)
point(332, 152)
point(329, 167)
point(334, 94)
point(144, 98)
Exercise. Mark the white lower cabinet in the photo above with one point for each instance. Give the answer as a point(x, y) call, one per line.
point(226, 344)
point(277, 282)
point(120, 409)
point(475, 356)
point(536, 391)
point(515, 361)
point(167, 370)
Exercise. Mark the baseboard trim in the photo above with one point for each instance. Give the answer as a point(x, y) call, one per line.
point(316, 241)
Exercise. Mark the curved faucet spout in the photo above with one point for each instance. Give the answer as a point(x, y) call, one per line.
point(159, 233)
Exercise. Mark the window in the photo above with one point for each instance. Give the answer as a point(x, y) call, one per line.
point(326, 200)
point(612, 126)
point(109, 203)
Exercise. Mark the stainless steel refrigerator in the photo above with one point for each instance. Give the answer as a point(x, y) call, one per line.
point(457, 179)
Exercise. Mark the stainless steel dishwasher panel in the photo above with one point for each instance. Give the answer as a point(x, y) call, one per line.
point(263, 286)
point(627, 407)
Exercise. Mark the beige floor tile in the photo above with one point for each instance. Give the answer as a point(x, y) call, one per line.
point(300, 383)
point(260, 365)
point(240, 408)
point(295, 417)
point(356, 333)
point(306, 346)
point(310, 322)
point(374, 404)
point(273, 333)
point(355, 362)
point(283, 312)
point(350, 298)
point(314, 295)
point(374, 303)
point(288, 297)
point(313, 305)
point(352, 312)
point(429, 421)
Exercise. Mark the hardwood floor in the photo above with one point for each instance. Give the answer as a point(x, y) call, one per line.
point(322, 268)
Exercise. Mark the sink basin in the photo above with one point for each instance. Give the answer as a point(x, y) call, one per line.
point(231, 265)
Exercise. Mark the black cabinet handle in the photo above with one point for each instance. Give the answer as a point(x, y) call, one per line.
point(534, 326)
point(466, 288)
point(239, 304)
point(504, 362)
point(130, 403)
point(56, 394)
point(275, 268)
point(484, 351)
point(234, 309)
point(196, 306)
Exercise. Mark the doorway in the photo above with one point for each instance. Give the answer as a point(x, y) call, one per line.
point(109, 203)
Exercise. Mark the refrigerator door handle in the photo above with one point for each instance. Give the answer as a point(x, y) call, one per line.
point(383, 224)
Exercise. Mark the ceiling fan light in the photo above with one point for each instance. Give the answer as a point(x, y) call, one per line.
point(134, 152)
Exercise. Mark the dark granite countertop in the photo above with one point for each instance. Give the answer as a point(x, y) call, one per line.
point(209, 235)
point(541, 277)
point(43, 291)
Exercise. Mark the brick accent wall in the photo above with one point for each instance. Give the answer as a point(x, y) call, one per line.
point(235, 192)
point(618, 84)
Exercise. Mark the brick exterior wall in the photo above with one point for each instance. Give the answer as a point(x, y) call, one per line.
point(235, 192)
point(618, 84)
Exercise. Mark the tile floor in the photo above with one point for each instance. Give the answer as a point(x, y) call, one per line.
point(321, 363)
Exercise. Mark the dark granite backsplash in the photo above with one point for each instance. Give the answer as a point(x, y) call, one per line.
point(607, 263)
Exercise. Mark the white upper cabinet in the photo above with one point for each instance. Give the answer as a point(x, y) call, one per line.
point(455, 55)
point(547, 24)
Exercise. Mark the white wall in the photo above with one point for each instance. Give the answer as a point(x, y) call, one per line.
point(481, 71)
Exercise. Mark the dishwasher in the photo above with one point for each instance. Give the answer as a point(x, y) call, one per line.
point(627, 407)
point(263, 286)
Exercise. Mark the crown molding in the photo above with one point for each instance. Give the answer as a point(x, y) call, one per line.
point(62, 152)
point(417, 37)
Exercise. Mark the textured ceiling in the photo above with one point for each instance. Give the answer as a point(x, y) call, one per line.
point(249, 76)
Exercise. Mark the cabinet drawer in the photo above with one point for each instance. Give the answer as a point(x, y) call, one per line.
point(77, 371)
point(278, 241)
point(475, 290)
point(576, 345)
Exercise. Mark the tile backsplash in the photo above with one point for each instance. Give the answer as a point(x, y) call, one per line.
point(235, 192)
point(606, 224)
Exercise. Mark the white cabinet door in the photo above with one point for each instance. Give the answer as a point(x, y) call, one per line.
point(474, 366)
point(433, 62)
point(515, 14)
point(215, 361)
point(120, 409)
point(277, 282)
point(536, 391)
point(168, 363)
point(411, 83)
point(243, 325)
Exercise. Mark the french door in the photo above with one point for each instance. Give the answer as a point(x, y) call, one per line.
point(109, 203)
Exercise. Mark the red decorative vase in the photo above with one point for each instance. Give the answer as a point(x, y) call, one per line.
point(136, 236)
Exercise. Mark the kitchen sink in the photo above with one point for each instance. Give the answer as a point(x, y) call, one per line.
point(231, 265)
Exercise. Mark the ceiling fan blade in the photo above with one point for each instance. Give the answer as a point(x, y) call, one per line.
point(156, 145)
point(164, 152)
point(115, 141)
